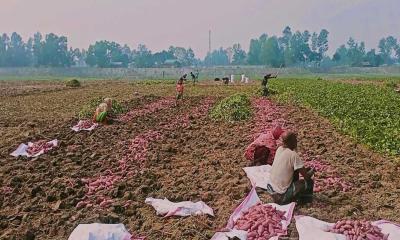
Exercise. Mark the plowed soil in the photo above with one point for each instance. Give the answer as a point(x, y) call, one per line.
point(194, 158)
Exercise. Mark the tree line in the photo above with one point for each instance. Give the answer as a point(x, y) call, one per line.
point(304, 49)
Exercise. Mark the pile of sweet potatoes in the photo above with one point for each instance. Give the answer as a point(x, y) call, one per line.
point(261, 222)
point(358, 230)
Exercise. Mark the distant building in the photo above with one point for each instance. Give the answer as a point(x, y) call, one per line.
point(366, 64)
point(171, 63)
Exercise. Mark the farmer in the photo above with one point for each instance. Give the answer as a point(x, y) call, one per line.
point(262, 150)
point(100, 116)
point(183, 78)
point(179, 90)
point(194, 78)
point(108, 101)
point(285, 185)
point(225, 80)
point(264, 83)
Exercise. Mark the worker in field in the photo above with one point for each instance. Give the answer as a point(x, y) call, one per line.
point(225, 80)
point(101, 114)
point(262, 150)
point(285, 185)
point(194, 78)
point(183, 78)
point(179, 91)
point(264, 83)
point(108, 101)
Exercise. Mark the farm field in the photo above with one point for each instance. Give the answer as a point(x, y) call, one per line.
point(180, 153)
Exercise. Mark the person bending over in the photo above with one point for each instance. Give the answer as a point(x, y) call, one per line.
point(285, 185)
point(264, 83)
point(262, 150)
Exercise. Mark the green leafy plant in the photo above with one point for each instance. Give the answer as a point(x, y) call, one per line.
point(72, 83)
point(234, 108)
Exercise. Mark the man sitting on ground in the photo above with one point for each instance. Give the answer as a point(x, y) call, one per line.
point(285, 185)
point(262, 150)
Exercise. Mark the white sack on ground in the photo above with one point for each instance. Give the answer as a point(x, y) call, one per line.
point(259, 176)
point(97, 231)
point(21, 150)
point(78, 127)
point(166, 208)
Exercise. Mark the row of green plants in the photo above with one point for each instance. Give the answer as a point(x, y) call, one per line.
point(368, 112)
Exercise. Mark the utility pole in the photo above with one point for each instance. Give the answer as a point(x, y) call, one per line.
point(209, 41)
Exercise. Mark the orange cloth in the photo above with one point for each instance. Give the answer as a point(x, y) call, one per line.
point(179, 88)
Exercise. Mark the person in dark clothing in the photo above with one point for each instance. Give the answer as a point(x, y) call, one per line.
point(264, 83)
point(225, 80)
point(194, 78)
point(183, 78)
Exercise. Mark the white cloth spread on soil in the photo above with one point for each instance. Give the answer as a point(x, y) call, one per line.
point(313, 229)
point(97, 231)
point(259, 176)
point(77, 127)
point(251, 200)
point(187, 208)
point(21, 150)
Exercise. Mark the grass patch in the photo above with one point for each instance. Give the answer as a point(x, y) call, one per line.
point(73, 83)
point(234, 108)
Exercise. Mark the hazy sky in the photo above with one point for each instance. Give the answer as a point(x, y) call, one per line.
point(161, 23)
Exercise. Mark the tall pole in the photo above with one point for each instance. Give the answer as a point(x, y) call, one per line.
point(209, 41)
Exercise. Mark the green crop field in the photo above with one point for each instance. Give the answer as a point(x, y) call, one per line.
point(368, 112)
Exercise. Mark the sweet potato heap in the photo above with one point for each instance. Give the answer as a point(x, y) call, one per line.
point(358, 230)
point(261, 222)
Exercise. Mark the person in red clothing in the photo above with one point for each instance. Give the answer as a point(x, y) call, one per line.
point(262, 150)
point(179, 90)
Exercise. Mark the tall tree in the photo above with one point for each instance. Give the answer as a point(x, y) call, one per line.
point(160, 57)
point(355, 53)
point(143, 57)
point(54, 52)
point(217, 58)
point(322, 42)
point(107, 54)
point(373, 59)
point(239, 55)
point(387, 49)
point(271, 53)
point(17, 56)
point(253, 57)
point(4, 44)
point(37, 49)
point(285, 39)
